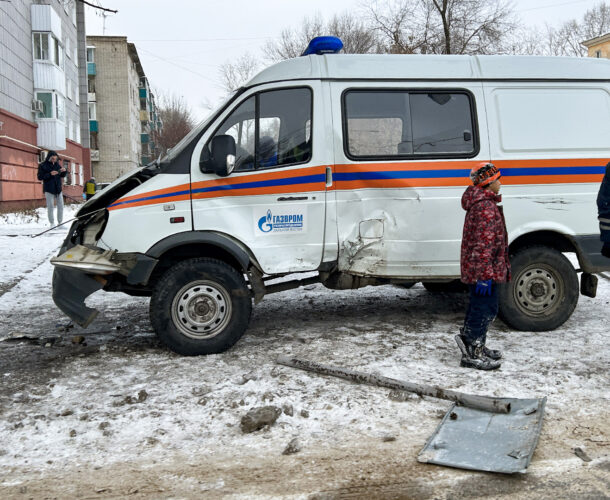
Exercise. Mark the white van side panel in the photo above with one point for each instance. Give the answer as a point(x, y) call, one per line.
point(551, 142)
point(408, 221)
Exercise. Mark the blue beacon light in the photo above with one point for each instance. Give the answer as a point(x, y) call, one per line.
point(323, 45)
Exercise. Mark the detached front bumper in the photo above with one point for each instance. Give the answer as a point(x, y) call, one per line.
point(70, 289)
point(81, 271)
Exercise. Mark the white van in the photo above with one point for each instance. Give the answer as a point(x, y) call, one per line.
point(353, 167)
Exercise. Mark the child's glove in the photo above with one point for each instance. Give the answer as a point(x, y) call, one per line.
point(483, 287)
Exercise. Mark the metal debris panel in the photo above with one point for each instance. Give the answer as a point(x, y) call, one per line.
point(480, 440)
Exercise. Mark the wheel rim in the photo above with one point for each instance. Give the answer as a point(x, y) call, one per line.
point(538, 290)
point(201, 309)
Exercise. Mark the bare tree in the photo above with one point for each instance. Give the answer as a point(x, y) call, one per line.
point(176, 117)
point(401, 26)
point(566, 40)
point(473, 26)
point(356, 36)
point(442, 26)
point(235, 74)
point(596, 21)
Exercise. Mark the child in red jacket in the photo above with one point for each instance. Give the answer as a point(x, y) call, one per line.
point(484, 264)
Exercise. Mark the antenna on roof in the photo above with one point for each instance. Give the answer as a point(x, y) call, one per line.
point(323, 45)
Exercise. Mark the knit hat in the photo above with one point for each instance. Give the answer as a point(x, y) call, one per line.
point(484, 174)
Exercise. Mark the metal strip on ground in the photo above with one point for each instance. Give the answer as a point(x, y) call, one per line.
point(479, 440)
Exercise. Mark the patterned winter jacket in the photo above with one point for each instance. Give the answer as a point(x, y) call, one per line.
point(603, 207)
point(484, 240)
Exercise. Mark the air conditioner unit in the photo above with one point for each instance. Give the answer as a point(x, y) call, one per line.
point(37, 106)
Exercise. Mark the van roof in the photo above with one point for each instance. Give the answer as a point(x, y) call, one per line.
point(434, 67)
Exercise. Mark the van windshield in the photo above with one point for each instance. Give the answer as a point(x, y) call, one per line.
point(177, 149)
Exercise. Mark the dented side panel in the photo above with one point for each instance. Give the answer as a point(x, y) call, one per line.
point(404, 223)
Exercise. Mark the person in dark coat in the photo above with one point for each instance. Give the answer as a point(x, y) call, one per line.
point(50, 172)
point(484, 264)
point(603, 212)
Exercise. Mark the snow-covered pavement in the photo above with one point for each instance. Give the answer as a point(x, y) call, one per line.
point(116, 414)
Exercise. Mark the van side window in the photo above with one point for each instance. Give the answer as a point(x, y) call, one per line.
point(408, 124)
point(271, 129)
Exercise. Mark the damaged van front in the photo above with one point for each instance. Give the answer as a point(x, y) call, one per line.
point(85, 263)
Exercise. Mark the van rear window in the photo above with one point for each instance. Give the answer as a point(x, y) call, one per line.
point(408, 124)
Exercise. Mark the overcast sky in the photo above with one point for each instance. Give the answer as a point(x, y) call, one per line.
point(182, 43)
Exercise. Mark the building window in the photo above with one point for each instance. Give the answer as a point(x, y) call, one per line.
point(598, 53)
point(69, 177)
point(53, 105)
point(69, 89)
point(80, 175)
point(60, 107)
point(67, 47)
point(90, 54)
point(47, 48)
point(92, 111)
point(41, 46)
point(47, 104)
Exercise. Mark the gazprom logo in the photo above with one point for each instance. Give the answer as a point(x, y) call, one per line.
point(281, 223)
point(265, 223)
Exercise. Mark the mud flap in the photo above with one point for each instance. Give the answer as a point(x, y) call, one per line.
point(70, 289)
point(588, 285)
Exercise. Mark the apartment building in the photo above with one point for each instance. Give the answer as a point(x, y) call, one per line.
point(43, 99)
point(123, 119)
point(598, 46)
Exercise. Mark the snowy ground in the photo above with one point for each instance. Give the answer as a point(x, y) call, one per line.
point(74, 421)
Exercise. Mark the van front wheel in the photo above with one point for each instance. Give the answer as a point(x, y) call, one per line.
point(543, 291)
point(200, 306)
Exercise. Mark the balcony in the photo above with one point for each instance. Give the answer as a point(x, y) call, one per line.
point(91, 69)
point(49, 77)
point(143, 92)
point(144, 117)
point(51, 133)
point(44, 18)
point(144, 138)
point(95, 155)
point(90, 96)
point(93, 126)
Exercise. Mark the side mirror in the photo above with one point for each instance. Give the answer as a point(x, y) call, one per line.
point(222, 155)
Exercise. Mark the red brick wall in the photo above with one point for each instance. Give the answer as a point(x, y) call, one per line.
point(19, 186)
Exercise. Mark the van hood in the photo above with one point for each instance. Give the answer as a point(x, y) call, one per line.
point(118, 188)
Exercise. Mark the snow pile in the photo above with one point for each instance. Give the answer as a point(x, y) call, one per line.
point(120, 396)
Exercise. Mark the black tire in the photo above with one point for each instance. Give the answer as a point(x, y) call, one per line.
point(543, 292)
point(454, 286)
point(200, 306)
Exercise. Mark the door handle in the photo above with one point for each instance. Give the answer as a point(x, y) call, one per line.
point(292, 198)
point(329, 177)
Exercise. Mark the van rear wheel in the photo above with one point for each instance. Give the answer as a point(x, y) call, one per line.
point(543, 292)
point(200, 306)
